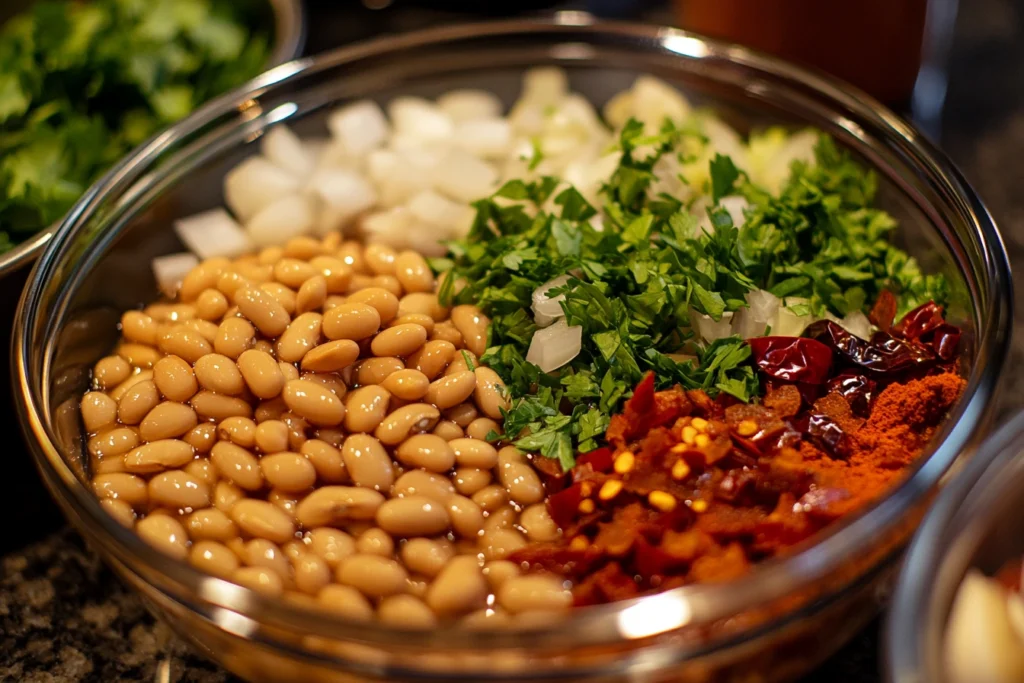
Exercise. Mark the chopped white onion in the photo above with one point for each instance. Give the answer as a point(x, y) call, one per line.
point(390, 227)
point(708, 329)
point(790, 324)
point(545, 85)
point(485, 138)
point(360, 127)
point(654, 100)
point(857, 324)
point(283, 148)
point(463, 177)
point(618, 109)
point(773, 153)
point(170, 270)
point(760, 312)
point(398, 175)
point(344, 192)
point(213, 233)
point(420, 119)
point(555, 346)
point(724, 140)
point(470, 104)
point(433, 209)
point(981, 646)
point(547, 310)
point(286, 218)
point(254, 184)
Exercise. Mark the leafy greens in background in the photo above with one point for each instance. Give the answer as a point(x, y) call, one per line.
point(634, 282)
point(83, 83)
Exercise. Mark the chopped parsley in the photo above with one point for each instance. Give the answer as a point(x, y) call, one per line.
point(81, 84)
point(636, 279)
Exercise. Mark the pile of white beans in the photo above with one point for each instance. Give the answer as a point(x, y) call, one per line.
point(308, 421)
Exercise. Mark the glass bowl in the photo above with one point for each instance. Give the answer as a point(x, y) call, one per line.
point(975, 523)
point(772, 625)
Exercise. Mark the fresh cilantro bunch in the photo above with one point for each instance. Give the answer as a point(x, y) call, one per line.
point(83, 83)
point(635, 281)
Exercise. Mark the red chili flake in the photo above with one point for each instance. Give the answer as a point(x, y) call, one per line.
point(600, 459)
point(884, 311)
point(650, 560)
point(727, 566)
point(824, 503)
point(564, 505)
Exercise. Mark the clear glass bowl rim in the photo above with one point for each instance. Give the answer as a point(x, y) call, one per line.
point(699, 604)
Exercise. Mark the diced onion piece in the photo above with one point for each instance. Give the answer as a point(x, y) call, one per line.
point(790, 324)
point(857, 324)
point(389, 227)
point(619, 109)
point(724, 140)
point(420, 119)
point(545, 85)
point(708, 329)
point(433, 209)
point(589, 177)
point(485, 138)
point(981, 646)
point(761, 312)
point(170, 270)
point(735, 206)
point(283, 148)
point(398, 176)
point(213, 233)
point(360, 127)
point(555, 346)
point(254, 184)
point(463, 177)
point(773, 152)
point(470, 104)
point(286, 218)
point(547, 310)
point(654, 100)
point(345, 194)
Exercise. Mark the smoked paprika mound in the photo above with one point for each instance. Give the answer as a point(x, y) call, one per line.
point(693, 489)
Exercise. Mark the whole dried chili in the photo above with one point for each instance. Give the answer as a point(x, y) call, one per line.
point(693, 489)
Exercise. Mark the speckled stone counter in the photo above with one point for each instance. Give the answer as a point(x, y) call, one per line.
point(63, 616)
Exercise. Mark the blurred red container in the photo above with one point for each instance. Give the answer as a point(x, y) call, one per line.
point(874, 44)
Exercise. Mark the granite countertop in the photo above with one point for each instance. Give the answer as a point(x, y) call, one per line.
point(65, 618)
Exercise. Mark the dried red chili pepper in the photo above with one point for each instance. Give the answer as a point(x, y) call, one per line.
point(919, 321)
point(945, 340)
point(884, 354)
point(858, 390)
point(792, 359)
point(827, 433)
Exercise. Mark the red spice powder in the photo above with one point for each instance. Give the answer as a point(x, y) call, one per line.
point(903, 420)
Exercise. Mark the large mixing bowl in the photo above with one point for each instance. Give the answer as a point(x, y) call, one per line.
point(776, 623)
point(975, 523)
